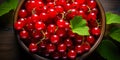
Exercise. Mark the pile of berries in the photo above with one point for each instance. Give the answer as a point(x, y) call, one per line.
point(44, 27)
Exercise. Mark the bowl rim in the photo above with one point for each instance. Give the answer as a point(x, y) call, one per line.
point(103, 24)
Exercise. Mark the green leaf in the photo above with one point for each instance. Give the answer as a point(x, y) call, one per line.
point(108, 50)
point(7, 5)
point(112, 18)
point(115, 34)
point(78, 25)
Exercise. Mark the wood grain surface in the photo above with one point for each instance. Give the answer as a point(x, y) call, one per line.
point(10, 49)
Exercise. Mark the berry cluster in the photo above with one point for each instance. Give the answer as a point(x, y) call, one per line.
point(44, 26)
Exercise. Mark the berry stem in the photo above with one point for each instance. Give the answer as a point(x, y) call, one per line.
point(41, 39)
point(89, 10)
point(98, 24)
point(63, 15)
point(33, 11)
point(73, 1)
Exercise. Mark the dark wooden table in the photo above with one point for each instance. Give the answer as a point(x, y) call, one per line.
point(10, 49)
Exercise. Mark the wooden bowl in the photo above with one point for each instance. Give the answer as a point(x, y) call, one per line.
point(101, 17)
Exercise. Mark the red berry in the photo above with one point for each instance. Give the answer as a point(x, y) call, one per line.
point(30, 27)
point(39, 25)
point(59, 9)
point(64, 56)
point(50, 48)
point(95, 10)
point(68, 42)
point(92, 16)
point(35, 18)
point(91, 40)
point(37, 34)
point(51, 28)
point(24, 34)
point(50, 5)
point(30, 5)
point(62, 47)
point(96, 31)
point(61, 2)
point(86, 46)
point(71, 34)
point(84, 7)
point(79, 39)
point(92, 3)
point(43, 17)
point(33, 47)
point(19, 25)
point(22, 13)
point(67, 6)
point(52, 13)
point(54, 39)
point(61, 32)
point(75, 5)
point(56, 55)
point(42, 45)
point(71, 14)
point(79, 49)
point(72, 54)
point(80, 1)
point(61, 23)
point(81, 13)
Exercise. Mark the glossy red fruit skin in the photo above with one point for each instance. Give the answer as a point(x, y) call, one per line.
point(95, 10)
point(81, 13)
point(75, 5)
point(61, 23)
point(84, 7)
point(24, 34)
point(50, 5)
point(62, 47)
point(79, 49)
point(92, 16)
point(54, 39)
point(56, 55)
point(72, 54)
point(43, 17)
point(71, 14)
point(42, 45)
point(80, 1)
point(50, 48)
point(67, 26)
point(18, 25)
point(33, 48)
point(22, 13)
point(71, 34)
point(52, 13)
point(64, 56)
point(30, 4)
point(86, 46)
point(79, 39)
point(91, 40)
point(61, 32)
point(39, 25)
point(59, 9)
point(30, 26)
point(68, 42)
point(92, 4)
point(34, 18)
point(67, 7)
point(96, 31)
point(61, 2)
point(37, 34)
point(51, 28)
